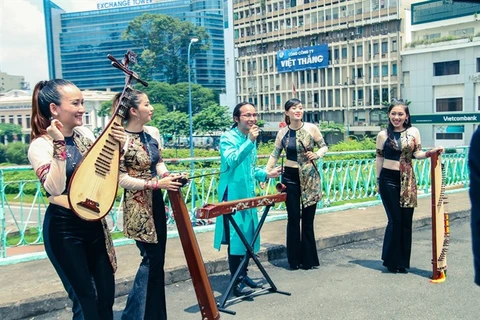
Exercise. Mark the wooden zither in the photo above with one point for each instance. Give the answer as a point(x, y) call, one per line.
point(228, 209)
point(94, 183)
point(440, 223)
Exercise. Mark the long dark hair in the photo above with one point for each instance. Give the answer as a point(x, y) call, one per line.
point(290, 103)
point(133, 102)
point(236, 111)
point(45, 93)
point(407, 124)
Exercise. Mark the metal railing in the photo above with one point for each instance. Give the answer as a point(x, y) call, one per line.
point(23, 202)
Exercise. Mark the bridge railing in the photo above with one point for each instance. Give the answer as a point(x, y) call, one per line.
point(23, 202)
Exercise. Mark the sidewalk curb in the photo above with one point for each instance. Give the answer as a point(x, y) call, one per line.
point(58, 300)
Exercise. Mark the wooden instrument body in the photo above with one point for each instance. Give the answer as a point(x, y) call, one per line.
point(440, 227)
point(214, 210)
point(94, 184)
point(201, 283)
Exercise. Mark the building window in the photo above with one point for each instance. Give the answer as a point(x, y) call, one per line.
point(2, 119)
point(375, 71)
point(384, 47)
point(478, 64)
point(446, 68)
point(11, 119)
point(87, 118)
point(449, 136)
point(375, 48)
point(27, 120)
point(432, 36)
point(359, 51)
point(394, 46)
point(394, 69)
point(359, 72)
point(19, 120)
point(462, 32)
point(449, 104)
point(385, 70)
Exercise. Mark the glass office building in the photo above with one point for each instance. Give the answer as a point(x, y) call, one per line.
point(78, 42)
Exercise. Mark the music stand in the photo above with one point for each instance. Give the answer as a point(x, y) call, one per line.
point(243, 264)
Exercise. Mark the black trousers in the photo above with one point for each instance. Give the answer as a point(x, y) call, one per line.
point(397, 243)
point(301, 243)
point(77, 250)
point(147, 299)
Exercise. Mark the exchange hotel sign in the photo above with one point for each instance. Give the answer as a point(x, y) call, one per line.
point(306, 58)
point(102, 4)
point(445, 118)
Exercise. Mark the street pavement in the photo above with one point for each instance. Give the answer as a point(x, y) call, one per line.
point(350, 283)
point(32, 288)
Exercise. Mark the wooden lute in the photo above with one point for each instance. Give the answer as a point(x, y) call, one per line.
point(94, 183)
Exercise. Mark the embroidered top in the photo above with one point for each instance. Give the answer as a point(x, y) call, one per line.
point(141, 161)
point(310, 181)
point(54, 174)
point(407, 144)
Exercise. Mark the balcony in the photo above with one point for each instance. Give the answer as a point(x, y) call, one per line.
point(443, 41)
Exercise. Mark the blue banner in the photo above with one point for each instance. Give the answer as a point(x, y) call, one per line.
point(306, 58)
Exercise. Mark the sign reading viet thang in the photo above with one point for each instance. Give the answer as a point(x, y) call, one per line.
point(445, 118)
point(105, 4)
point(306, 58)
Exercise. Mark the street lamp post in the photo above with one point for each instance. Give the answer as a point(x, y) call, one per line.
point(348, 122)
point(347, 111)
point(192, 40)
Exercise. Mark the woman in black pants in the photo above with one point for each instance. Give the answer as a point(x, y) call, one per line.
point(81, 251)
point(142, 174)
point(396, 147)
point(303, 183)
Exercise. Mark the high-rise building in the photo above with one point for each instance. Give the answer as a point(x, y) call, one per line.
point(441, 70)
point(78, 42)
point(340, 58)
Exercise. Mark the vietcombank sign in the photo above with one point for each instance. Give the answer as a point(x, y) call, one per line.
point(444, 118)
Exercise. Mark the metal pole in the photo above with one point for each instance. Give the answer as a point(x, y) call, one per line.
point(190, 102)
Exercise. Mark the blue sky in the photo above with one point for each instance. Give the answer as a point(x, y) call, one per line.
point(22, 36)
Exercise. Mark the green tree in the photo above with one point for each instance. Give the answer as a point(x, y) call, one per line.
point(175, 97)
point(16, 152)
point(162, 93)
point(105, 109)
point(10, 129)
point(201, 97)
point(164, 43)
point(330, 128)
point(173, 123)
point(212, 119)
point(3, 156)
point(159, 113)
